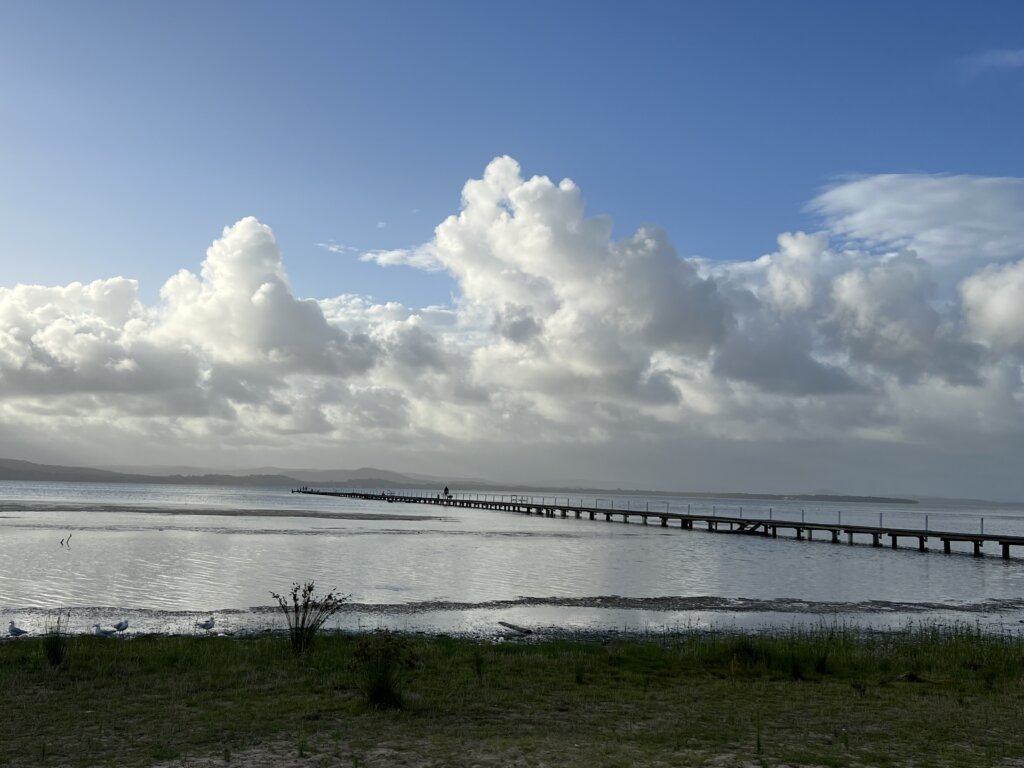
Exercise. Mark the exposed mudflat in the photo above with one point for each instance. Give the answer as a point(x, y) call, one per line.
point(37, 506)
point(693, 603)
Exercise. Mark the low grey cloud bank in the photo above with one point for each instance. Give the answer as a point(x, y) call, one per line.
point(897, 325)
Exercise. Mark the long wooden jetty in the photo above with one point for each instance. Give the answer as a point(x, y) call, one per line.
point(769, 526)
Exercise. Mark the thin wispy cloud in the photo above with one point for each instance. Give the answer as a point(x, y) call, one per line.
point(994, 60)
point(420, 257)
point(337, 248)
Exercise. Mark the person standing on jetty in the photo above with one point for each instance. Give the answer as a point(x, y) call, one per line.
point(446, 493)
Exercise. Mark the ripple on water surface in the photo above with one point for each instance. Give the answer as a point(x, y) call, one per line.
point(152, 548)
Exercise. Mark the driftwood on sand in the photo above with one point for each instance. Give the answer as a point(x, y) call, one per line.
point(521, 630)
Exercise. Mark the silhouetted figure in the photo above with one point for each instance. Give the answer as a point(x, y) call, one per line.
point(446, 494)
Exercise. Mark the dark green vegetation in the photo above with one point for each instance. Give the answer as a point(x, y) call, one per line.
point(305, 612)
point(943, 697)
point(55, 642)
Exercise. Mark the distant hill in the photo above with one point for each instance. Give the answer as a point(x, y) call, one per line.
point(326, 476)
point(365, 477)
point(16, 469)
point(305, 475)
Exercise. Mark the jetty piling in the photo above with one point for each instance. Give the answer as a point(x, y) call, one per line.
point(769, 526)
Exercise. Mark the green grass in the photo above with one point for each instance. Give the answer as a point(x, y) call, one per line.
point(923, 697)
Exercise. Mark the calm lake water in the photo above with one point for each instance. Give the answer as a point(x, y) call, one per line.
point(161, 555)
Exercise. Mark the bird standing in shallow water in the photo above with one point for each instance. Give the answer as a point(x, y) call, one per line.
point(207, 625)
point(14, 631)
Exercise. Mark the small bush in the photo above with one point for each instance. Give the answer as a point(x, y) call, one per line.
point(578, 669)
point(306, 613)
point(383, 656)
point(55, 642)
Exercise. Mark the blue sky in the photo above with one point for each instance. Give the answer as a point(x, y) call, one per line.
point(132, 133)
point(813, 247)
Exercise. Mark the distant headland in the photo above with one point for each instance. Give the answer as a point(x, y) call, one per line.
point(369, 477)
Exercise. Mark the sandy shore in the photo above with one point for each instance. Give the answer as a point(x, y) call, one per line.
point(205, 511)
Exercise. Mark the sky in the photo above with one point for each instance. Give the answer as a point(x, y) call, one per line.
point(700, 246)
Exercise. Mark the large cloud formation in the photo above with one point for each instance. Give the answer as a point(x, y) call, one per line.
point(897, 330)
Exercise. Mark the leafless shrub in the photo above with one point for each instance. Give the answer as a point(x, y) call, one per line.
point(306, 612)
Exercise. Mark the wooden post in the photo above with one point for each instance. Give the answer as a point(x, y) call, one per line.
point(920, 543)
point(876, 539)
point(977, 548)
point(1006, 550)
point(849, 536)
point(835, 537)
point(892, 538)
point(945, 546)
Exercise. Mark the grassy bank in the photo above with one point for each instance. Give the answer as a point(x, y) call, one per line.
point(832, 698)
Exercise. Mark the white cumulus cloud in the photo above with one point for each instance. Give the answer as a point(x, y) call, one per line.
point(896, 325)
point(993, 301)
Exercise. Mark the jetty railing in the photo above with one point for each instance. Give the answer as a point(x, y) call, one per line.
point(726, 520)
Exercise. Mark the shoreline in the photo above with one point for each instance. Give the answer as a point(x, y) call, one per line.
point(53, 506)
point(598, 618)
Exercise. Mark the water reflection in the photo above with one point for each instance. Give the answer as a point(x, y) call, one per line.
point(157, 559)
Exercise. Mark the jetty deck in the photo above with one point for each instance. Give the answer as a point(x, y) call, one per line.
point(719, 523)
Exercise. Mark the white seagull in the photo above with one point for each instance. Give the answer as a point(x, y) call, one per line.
point(122, 625)
point(101, 632)
point(207, 625)
point(14, 631)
